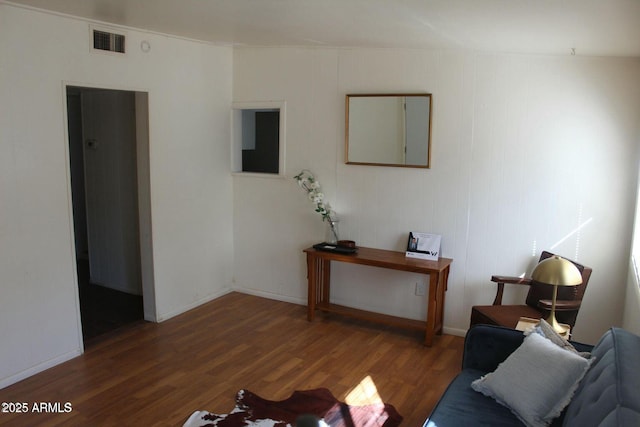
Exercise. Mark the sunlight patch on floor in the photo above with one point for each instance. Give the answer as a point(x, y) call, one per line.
point(365, 393)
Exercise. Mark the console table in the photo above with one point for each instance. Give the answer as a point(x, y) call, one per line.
point(319, 286)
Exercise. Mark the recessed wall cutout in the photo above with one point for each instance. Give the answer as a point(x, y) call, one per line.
point(258, 139)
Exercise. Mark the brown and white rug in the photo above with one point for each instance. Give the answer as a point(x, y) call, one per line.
point(254, 411)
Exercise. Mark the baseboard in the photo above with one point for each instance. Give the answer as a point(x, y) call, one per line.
point(118, 288)
point(269, 295)
point(5, 382)
point(454, 331)
point(166, 316)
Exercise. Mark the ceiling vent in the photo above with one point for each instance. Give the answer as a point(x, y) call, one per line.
point(103, 40)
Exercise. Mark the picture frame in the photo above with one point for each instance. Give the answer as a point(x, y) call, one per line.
point(423, 245)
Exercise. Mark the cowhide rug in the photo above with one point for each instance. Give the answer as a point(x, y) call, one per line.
point(252, 410)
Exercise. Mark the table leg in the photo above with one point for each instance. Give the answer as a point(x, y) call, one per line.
point(438, 283)
point(442, 290)
point(432, 307)
point(311, 286)
point(326, 281)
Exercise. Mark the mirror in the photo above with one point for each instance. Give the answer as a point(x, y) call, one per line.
point(388, 130)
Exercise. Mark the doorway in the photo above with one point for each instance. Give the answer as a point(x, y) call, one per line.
point(108, 158)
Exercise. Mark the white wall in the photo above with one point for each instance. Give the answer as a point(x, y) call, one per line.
point(189, 86)
point(529, 153)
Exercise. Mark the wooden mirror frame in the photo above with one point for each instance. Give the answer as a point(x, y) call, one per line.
point(400, 145)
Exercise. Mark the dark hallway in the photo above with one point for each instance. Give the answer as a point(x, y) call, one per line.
point(104, 310)
point(103, 145)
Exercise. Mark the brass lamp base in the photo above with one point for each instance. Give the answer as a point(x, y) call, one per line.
point(560, 328)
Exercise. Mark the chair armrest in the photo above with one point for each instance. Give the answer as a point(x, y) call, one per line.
point(486, 346)
point(512, 280)
point(561, 305)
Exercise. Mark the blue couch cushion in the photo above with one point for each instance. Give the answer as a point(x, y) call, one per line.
point(464, 406)
point(608, 394)
point(486, 346)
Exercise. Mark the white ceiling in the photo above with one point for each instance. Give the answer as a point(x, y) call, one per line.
point(592, 27)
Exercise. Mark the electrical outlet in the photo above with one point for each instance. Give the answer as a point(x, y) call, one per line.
point(421, 289)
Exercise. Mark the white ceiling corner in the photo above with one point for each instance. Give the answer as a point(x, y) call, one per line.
point(591, 27)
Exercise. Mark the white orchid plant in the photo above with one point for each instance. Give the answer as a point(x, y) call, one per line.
point(310, 184)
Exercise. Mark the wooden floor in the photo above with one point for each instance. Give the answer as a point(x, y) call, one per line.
point(158, 374)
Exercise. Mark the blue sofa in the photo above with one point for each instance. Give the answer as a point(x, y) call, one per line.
point(608, 394)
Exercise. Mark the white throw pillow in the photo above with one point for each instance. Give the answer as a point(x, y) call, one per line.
point(543, 328)
point(536, 381)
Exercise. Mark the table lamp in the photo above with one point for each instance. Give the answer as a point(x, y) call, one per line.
point(556, 271)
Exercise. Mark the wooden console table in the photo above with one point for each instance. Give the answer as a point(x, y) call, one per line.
point(319, 287)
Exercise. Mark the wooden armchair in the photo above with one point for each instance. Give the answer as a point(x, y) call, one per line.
point(538, 302)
